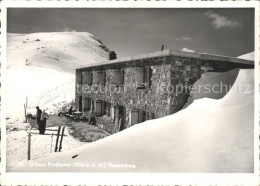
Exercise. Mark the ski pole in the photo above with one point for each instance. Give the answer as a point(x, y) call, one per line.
point(29, 146)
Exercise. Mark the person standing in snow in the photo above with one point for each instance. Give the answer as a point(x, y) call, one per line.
point(38, 116)
point(70, 110)
point(93, 119)
point(44, 118)
point(162, 48)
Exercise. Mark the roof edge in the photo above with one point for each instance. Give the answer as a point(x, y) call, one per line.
point(169, 52)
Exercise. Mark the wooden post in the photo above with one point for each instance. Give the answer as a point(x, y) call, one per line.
point(25, 113)
point(57, 139)
point(26, 102)
point(29, 146)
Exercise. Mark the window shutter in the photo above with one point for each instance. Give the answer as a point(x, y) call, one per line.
point(148, 116)
point(122, 76)
point(85, 104)
point(148, 75)
point(104, 105)
point(143, 116)
point(104, 77)
point(108, 105)
point(140, 118)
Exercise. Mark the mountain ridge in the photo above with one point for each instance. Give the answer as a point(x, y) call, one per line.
point(64, 51)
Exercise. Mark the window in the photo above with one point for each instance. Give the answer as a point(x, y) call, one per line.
point(134, 117)
point(79, 78)
point(107, 108)
point(148, 115)
point(138, 116)
point(143, 77)
point(99, 110)
point(144, 118)
point(88, 78)
point(87, 104)
point(118, 77)
point(152, 115)
point(101, 77)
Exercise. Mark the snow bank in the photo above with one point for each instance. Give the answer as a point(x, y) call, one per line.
point(210, 136)
point(213, 85)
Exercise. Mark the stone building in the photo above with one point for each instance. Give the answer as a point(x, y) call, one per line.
point(124, 92)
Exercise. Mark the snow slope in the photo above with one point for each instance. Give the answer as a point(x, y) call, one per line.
point(210, 136)
point(42, 67)
point(64, 51)
point(248, 56)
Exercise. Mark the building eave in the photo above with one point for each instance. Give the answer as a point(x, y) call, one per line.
point(171, 52)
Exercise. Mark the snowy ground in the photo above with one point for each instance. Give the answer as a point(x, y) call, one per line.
point(76, 134)
point(209, 136)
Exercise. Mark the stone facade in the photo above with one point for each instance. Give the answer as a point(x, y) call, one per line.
point(117, 85)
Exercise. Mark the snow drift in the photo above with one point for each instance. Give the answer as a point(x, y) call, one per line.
point(209, 136)
point(213, 85)
point(41, 66)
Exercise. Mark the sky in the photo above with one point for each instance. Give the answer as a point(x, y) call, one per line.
point(134, 31)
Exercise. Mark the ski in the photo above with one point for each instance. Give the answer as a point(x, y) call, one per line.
point(62, 134)
point(57, 139)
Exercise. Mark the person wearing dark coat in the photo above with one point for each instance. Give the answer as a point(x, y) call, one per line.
point(70, 110)
point(162, 48)
point(38, 116)
point(44, 118)
point(93, 119)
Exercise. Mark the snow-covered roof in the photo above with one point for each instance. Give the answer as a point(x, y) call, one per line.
point(171, 52)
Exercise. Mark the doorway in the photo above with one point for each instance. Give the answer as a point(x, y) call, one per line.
point(80, 103)
point(121, 115)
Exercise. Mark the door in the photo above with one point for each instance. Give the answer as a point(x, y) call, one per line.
point(99, 108)
point(134, 117)
point(121, 115)
point(80, 103)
